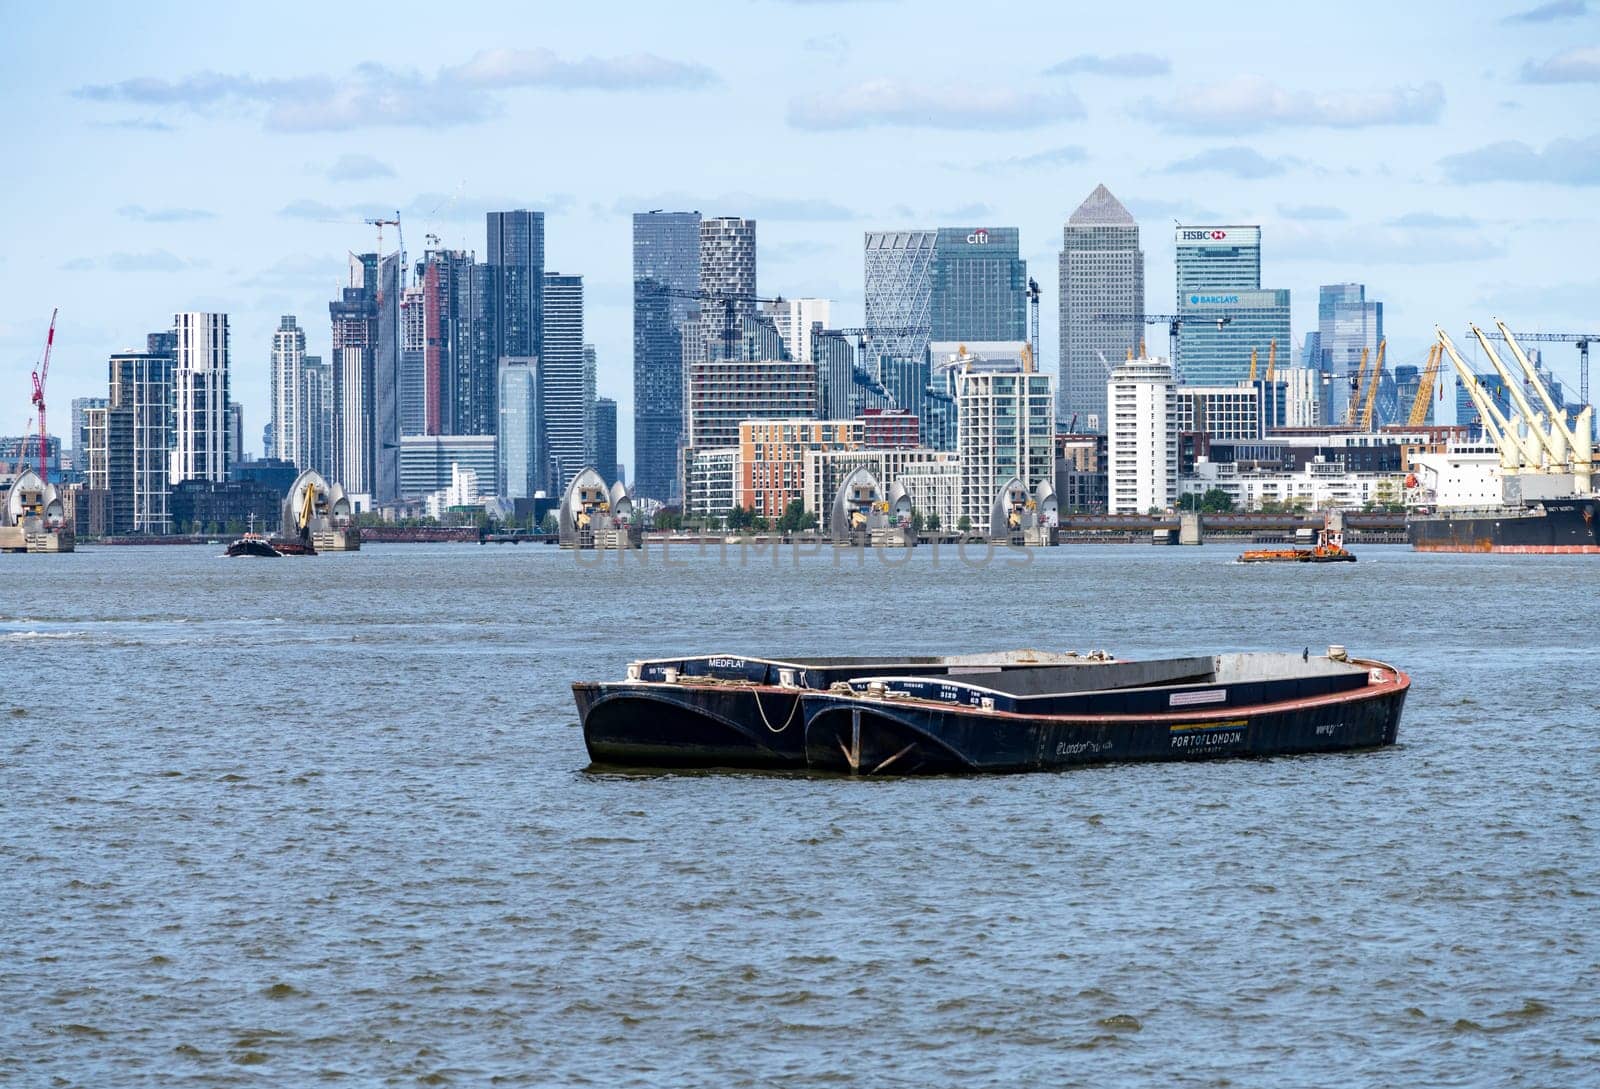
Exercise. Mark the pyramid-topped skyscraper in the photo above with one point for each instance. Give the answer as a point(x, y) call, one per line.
point(1102, 272)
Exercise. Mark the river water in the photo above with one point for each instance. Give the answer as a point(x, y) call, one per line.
point(329, 820)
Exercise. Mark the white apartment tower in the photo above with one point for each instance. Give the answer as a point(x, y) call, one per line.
point(1006, 426)
point(1142, 437)
point(200, 398)
point(794, 318)
point(288, 362)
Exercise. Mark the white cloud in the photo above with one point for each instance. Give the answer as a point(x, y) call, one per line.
point(1548, 13)
point(1312, 212)
point(1383, 245)
point(889, 102)
point(1128, 65)
point(1562, 162)
point(1250, 103)
point(352, 167)
point(749, 205)
point(1238, 162)
point(1580, 65)
point(543, 68)
point(164, 215)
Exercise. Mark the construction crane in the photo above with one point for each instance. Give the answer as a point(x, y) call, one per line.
point(41, 375)
point(1272, 360)
point(729, 301)
point(1355, 391)
point(1173, 323)
point(381, 223)
point(1033, 307)
point(861, 334)
point(1430, 375)
point(1580, 339)
point(1252, 364)
point(1372, 389)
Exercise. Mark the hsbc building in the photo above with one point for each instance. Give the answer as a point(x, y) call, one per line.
point(1219, 273)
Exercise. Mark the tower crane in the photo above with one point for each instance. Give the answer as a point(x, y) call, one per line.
point(41, 375)
point(728, 299)
point(1355, 391)
point(1580, 339)
point(1033, 307)
point(1173, 323)
point(381, 223)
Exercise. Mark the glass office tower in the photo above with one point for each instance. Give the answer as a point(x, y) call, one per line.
point(666, 257)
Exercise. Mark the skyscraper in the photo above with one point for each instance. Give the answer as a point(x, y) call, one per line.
point(1102, 272)
point(414, 362)
point(898, 289)
point(1142, 451)
point(314, 425)
point(288, 357)
point(1347, 325)
point(519, 440)
point(200, 398)
point(561, 375)
point(980, 285)
point(728, 262)
point(605, 438)
point(459, 368)
point(591, 378)
point(666, 257)
point(386, 429)
point(516, 256)
point(79, 436)
point(1219, 277)
point(1006, 428)
point(354, 316)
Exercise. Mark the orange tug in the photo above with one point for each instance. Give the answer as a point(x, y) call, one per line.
point(1329, 549)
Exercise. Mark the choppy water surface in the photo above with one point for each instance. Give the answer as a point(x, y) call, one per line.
point(276, 823)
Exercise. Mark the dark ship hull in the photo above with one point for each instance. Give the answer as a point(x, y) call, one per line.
point(1549, 526)
point(734, 712)
point(897, 734)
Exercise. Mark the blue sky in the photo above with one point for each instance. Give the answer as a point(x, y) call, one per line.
point(207, 156)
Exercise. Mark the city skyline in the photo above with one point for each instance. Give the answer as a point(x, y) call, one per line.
point(1366, 164)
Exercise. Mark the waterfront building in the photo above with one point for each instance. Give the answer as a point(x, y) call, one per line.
point(1219, 277)
point(200, 398)
point(794, 319)
point(354, 316)
point(288, 357)
point(1102, 272)
point(898, 293)
point(979, 288)
point(771, 463)
point(1314, 484)
point(224, 506)
point(722, 392)
point(1348, 325)
point(561, 380)
point(1142, 437)
point(520, 443)
point(666, 257)
point(710, 480)
point(129, 442)
point(426, 461)
point(1005, 428)
point(605, 439)
point(1081, 470)
point(516, 263)
point(931, 477)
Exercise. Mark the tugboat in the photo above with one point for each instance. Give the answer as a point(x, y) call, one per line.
point(253, 544)
point(1328, 549)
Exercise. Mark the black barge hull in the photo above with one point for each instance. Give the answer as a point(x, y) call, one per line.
point(866, 737)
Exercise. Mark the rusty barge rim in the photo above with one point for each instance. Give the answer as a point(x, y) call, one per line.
point(1398, 683)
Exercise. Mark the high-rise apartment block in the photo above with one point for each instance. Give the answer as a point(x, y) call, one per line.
point(519, 441)
point(723, 392)
point(516, 262)
point(288, 361)
point(354, 316)
point(1006, 428)
point(604, 457)
point(1225, 312)
point(666, 258)
point(200, 441)
point(794, 319)
point(128, 442)
point(1142, 437)
point(1102, 274)
point(458, 362)
point(561, 372)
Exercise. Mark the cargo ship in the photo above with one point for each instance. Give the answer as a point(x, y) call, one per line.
point(1526, 487)
point(725, 710)
point(934, 716)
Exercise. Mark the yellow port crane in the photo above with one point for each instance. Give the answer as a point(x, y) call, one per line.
point(1372, 389)
point(1430, 375)
point(1252, 364)
point(1272, 360)
point(1355, 392)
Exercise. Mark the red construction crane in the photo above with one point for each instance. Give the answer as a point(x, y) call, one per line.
point(41, 375)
